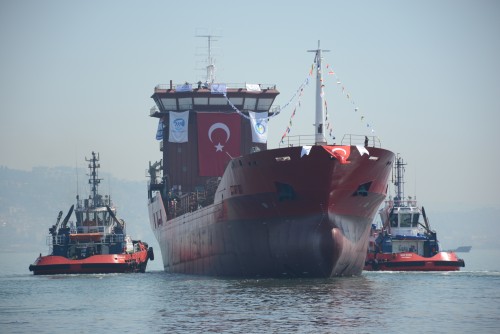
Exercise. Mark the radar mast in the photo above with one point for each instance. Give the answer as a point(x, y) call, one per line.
point(210, 60)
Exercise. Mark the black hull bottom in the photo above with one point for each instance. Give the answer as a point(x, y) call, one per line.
point(312, 247)
point(416, 266)
point(88, 268)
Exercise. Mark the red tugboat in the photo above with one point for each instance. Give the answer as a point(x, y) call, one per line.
point(222, 204)
point(403, 243)
point(96, 243)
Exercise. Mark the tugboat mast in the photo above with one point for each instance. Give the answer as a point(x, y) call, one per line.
point(94, 180)
point(320, 109)
point(399, 181)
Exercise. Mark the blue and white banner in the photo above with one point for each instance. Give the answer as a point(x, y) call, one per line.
point(184, 88)
point(253, 87)
point(259, 126)
point(159, 132)
point(178, 127)
point(218, 88)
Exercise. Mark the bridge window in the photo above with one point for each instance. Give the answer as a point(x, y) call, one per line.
point(264, 104)
point(201, 101)
point(237, 101)
point(169, 104)
point(185, 103)
point(250, 103)
point(218, 101)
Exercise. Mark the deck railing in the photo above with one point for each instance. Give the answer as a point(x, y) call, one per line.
point(203, 85)
point(348, 139)
point(62, 239)
point(369, 141)
point(192, 201)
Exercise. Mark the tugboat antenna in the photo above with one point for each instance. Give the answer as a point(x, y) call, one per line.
point(77, 180)
point(320, 109)
point(94, 180)
point(399, 181)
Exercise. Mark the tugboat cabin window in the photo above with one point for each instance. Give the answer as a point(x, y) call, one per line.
point(416, 217)
point(99, 217)
point(394, 220)
point(406, 220)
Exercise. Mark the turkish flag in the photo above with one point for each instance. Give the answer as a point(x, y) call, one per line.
point(219, 138)
point(341, 153)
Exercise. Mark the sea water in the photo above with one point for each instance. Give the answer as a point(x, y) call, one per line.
point(157, 302)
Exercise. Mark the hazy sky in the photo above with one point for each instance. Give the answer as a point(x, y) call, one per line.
point(77, 76)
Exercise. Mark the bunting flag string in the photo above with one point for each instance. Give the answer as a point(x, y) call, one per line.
point(328, 126)
point(235, 108)
point(280, 109)
point(297, 98)
point(299, 92)
point(348, 95)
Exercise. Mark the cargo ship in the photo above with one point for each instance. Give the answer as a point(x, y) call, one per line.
point(222, 204)
point(403, 242)
point(96, 242)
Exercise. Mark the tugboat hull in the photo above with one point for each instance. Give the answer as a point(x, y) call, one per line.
point(442, 261)
point(96, 264)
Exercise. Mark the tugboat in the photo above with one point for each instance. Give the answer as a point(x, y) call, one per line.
point(96, 243)
point(403, 243)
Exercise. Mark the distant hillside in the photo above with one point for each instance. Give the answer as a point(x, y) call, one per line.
point(479, 228)
point(31, 200)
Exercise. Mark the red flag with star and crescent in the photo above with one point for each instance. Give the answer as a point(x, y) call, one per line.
point(219, 138)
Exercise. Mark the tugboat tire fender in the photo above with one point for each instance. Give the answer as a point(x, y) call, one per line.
point(151, 254)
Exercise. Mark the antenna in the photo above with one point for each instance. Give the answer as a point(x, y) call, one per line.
point(94, 180)
point(415, 183)
point(320, 109)
point(109, 191)
point(210, 60)
point(77, 181)
point(399, 181)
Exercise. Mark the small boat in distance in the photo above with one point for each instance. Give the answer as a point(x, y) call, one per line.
point(96, 243)
point(461, 249)
point(403, 243)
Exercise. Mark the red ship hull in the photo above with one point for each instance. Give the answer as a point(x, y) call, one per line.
point(408, 261)
point(277, 213)
point(96, 264)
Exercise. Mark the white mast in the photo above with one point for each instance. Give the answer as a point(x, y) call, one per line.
point(210, 61)
point(320, 109)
